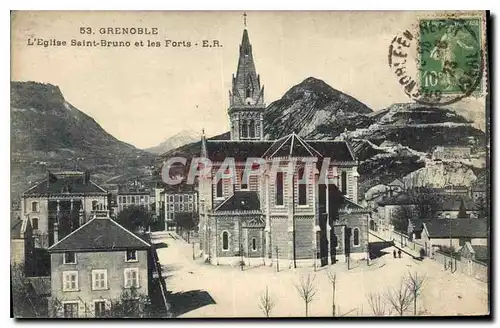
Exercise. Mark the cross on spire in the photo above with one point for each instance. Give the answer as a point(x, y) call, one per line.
point(245, 19)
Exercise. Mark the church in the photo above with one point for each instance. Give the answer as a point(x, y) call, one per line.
point(274, 218)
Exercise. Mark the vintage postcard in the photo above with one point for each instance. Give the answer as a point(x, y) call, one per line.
point(153, 175)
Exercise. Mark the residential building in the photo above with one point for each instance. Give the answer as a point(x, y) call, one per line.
point(127, 197)
point(178, 200)
point(452, 232)
point(94, 265)
point(478, 188)
point(60, 204)
point(478, 253)
point(450, 206)
point(272, 217)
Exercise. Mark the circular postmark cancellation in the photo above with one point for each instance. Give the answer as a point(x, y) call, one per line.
point(449, 60)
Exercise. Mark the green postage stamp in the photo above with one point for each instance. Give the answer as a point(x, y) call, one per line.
point(450, 56)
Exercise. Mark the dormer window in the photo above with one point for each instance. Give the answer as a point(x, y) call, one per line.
point(131, 256)
point(69, 258)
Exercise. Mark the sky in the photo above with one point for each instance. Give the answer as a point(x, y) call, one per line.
point(142, 95)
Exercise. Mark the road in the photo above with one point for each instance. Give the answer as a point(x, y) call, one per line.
point(197, 289)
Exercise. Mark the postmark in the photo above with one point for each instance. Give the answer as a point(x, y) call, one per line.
point(449, 60)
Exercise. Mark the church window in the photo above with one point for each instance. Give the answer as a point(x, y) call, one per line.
point(254, 244)
point(302, 188)
point(279, 188)
point(244, 127)
point(355, 234)
point(248, 93)
point(251, 129)
point(244, 182)
point(344, 182)
point(225, 241)
point(219, 188)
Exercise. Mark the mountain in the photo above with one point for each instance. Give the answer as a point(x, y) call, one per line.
point(313, 109)
point(180, 139)
point(48, 132)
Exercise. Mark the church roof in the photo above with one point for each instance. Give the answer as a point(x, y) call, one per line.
point(100, 234)
point(291, 145)
point(241, 201)
point(219, 150)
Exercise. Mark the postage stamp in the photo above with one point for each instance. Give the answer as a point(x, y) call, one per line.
point(450, 56)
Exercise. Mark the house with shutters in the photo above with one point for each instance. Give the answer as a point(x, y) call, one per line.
point(92, 266)
point(301, 209)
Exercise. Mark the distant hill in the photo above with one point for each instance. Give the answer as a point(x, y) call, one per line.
point(312, 108)
point(180, 139)
point(48, 132)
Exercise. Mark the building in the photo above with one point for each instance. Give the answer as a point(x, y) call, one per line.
point(455, 232)
point(451, 204)
point(60, 204)
point(94, 265)
point(478, 188)
point(451, 153)
point(269, 217)
point(22, 248)
point(478, 253)
point(126, 197)
point(179, 201)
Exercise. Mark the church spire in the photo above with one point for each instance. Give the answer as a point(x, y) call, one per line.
point(246, 97)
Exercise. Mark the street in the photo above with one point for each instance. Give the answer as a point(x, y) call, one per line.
point(197, 289)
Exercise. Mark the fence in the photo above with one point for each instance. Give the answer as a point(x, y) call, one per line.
point(462, 265)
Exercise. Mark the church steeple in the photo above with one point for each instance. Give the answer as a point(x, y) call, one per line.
point(246, 98)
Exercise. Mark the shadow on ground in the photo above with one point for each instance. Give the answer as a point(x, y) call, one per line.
point(184, 302)
point(160, 245)
point(376, 248)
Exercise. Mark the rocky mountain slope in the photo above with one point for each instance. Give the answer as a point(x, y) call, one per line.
point(314, 109)
point(48, 132)
point(180, 139)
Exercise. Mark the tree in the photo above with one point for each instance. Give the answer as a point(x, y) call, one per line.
point(462, 212)
point(333, 281)
point(266, 303)
point(400, 218)
point(400, 297)
point(135, 218)
point(415, 283)
point(377, 304)
point(25, 302)
point(307, 290)
point(131, 304)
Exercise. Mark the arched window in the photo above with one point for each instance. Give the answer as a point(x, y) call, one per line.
point(94, 205)
point(254, 244)
point(244, 129)
point(251, 129)
point(225, 241)
point(34, 206)
point(302, 188)
point(248, 92)
point(279, 188)
point(344, 183)
point(355, 234)
point(219, 188)
point(34, 223)
point(243, 181)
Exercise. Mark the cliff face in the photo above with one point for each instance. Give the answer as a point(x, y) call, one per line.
point(47, 131)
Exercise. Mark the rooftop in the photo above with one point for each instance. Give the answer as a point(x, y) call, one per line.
point(460, 228)
point(241, 201)
point(72, 182)
point(100, 234)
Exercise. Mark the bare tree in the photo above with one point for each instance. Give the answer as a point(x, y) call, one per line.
point(266, 303)
point(307, 290)
point(415, 283)
point(400, 297)
point(377, 304)
point(333, 281)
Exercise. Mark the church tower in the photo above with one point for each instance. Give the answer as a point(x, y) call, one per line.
point(246, 99)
